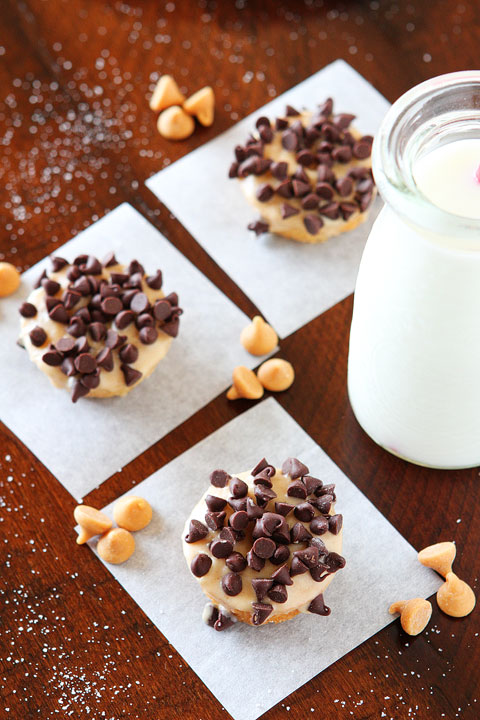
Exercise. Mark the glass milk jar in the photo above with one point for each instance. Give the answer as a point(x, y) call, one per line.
point(414, 359)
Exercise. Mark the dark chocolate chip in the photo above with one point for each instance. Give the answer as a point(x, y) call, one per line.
point(130, 375)
point(67, 367)
point(261, 586)
point(128, 354)
point(144, 320)
point(264, 547)
point(155, 281)
point(313, 224)
point(236, 562)
point(201, 564)
point(148, 335)
point(290, 140)
point(81, 345)
point(282, 508)
point(77, 327)
point(27, 310)
point(299, 533)
point(279, 170)
point(342, 154)
point(221, 548)
point(113, 339)
point(124, 318)
point(304, 512)
point(255, 562)
point(109, 259)
point(171, 327)
point(310, 201)
point(232, 584)
point(261, 465)
point(290, 111)
point(111, 305)
point(215, 520)
point(266, 134)
point(65, 345)
point(82, 286)
point(97, 331)
point(324, 190)
point(297, 567)
point(282, 576)
point(139, 303)
point(264, 192)
point(263, 494)
point(219, 478)
point(239, 520)
point(365, 185)
point(305, 158)
point(281, 555)
point(285, 189)
point(59, 314)
point(39, 280)
point(84, 314)
point(287, 211)
point(85, 363)
point(318, 607)
point(312, 484)
point(162, 309)
point(238, 504)
point(261, 611)
point(320, 545)
point(300, 188)
point(73, 273)
point(214, 503)
point(331, 211)
point(281, 123)
point(324, 503)
point(92, 266)
point(105, 359)
point(78, 391)
point(297, 489)
point(344, 186)
point(52, 358)
point(325, 174)
point(308, 556)
point(37, 336)
point(362, 150)
point(90, 381)
point(58, 263)
point(365, 201)
point(233, 170)
point(223, 621)
point(330, 132)
point(278, 594)
point(343, 120)
point(253, 510)
point(51, 287)
point(335, 523)
point(70, 299)
point(334, 561)
point(294, 468)
point(136, 267)
point(319, 525)
point(238, 487)
point(262, 122)
point(196, 531)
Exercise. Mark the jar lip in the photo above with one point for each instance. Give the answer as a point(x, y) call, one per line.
point(393, 174)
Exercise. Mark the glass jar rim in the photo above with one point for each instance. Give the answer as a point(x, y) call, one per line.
point(393, 171)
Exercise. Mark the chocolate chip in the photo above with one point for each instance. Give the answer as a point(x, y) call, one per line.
point(253, 510)
point(109, 259)
point(196, 531)
point(214, 503)
point(124, 318)
point(263, 494)
point(90, 381)
point(282, 576)
point(313, 223)
point(319, 525)
point(294, 468)
point(365, 201)
point(331, 211)
point(37, 336)
point(285, 189)
point(77, 327)
point(330, 132)
point(144, 320)
point(324, 503)
point(239, 520)
point(253, 147)
point(264, 547)
point(73, 273)
point(98, 317)
point(304, 512)
point(297, 567)
point(162, 310)
point(105, 359)
point(233, 170)
point(335, 523)
point(111, 305)
point(236, 562)
point(320, 545)
point(232, 584)
point(308, 556)
point(57, 263)
point(334, 562)
point(300, 188)
point(282, 508)
point(229, 534)
point(215, 520)
point(305, 158)
point(361, 150)
point(238, 504)
point(278, 594)
point(82, 286)
point(297, 489)
point(310, 201)
point(261, 611)
point(255, 562)
point(290, 140)
point(261, 586)
point(344, 186)
point(171, 327)
point(288, 211)
point(27, 310)
point(139, 303)
point(281, 123)
point(39, 280)
point(92, 266)
point(299, 533)
point(70, 299)
point(81, 345)
point(97, 331)
point(223, 621)
point(201, 564)
point(148, 335)
point(130, 375)
point(342, 154)
point(221, 548)
point(219, 478)
point(84, 314)
point(250, 166)
point(59, 314)
point(324, 190)
point(290, 111)
point(65, 345)
point(279, 170)
point(78, 391)
point(67, 367)
point(52, 358)
point(266, 134)
point(264, 192)
point(281, 555)
point(325, 174)
point(85, 363)
point(264, 477)
point(318, 607)
point(113, 339)
point(51, 287)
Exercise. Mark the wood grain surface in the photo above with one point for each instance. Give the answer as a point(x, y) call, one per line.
point(76, 139)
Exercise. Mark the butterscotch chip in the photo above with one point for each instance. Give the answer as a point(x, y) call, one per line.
point(202, 105)
point(245, 385)
point(116, 546)
point(9, 279)
point(175, 124)
point(259, 338)
point(276, 374)
point(415, 614)
point(455, 597)
point(166, 94)
point(132, 513)
point(92, 522)
point(439, 557)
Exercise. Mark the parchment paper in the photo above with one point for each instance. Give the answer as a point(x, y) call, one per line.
point(290, 282)
point(270, 661)
point(83, 444)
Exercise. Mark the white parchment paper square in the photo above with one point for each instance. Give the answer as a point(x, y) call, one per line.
point(381, 568)
point(290, 282)
point(82, 444)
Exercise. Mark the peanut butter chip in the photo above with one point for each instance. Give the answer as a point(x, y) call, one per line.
point(132, 513)
point(166, 94)
point(92, 522)
point(455, 597)
point(439, 557)
point(175, 124)
point(415, 614)
point(245, 385)
point(116, 546)
point(9, 279)
point(202, 105)
point(276, 374)
point(258, 338)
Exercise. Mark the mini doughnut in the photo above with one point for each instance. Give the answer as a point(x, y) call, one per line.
point(166, 94)
point(264, 545)
point(308, 174)
point(455, 597)
point(276, 374)
point(175, 124)
point(92, 522)
point(116, 546)
point(9, 279)
point(98, 328)
point(415, 614)
point(132, 513)
point(202, 105)
point(259, 338)
point(439, 557)
point(245, 385)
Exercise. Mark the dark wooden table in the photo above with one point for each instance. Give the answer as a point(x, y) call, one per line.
point(77, 139)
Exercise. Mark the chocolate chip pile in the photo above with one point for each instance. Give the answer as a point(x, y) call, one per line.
point(96, 308)
point(271, 536)
point(316, 147)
